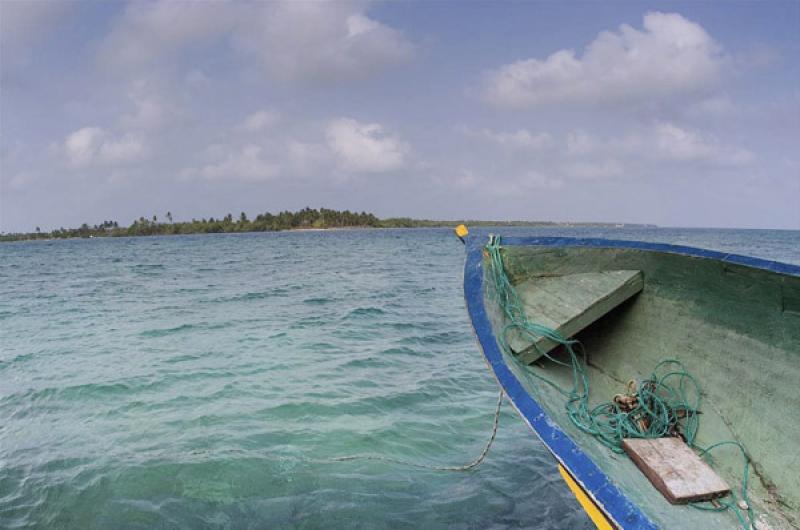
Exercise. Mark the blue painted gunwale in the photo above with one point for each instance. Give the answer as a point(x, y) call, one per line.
point(615, 504)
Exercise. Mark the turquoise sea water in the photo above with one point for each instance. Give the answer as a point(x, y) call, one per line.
point(203, 381)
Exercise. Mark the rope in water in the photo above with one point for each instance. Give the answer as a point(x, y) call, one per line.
point(475, 463)
point(664, 404)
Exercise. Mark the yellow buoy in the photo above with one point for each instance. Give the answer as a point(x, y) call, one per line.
point(461, 232)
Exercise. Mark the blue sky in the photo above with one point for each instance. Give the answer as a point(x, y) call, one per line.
point(678, 114)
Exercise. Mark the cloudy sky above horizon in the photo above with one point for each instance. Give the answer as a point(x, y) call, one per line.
point(678, 114)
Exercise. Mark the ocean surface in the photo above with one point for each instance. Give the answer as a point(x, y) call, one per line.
point(206, 381)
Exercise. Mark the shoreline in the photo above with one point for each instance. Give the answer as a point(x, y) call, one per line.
point(482, 224)
point(14, 238)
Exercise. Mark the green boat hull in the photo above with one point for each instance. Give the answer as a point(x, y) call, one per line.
point(736, 328)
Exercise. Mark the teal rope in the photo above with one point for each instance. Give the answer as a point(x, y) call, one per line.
point(666, 404)
point(733, 504)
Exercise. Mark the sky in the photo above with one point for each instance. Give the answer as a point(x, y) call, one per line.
point(675, 114)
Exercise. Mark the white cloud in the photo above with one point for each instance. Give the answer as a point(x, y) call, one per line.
point(125, 149)
point(82, 145)
point(582, 158)
point(538, 180)
point(489, 183)
point(245, 163)
point(258, 121)
point(150, 33)
point(581, 143)
point(306, 158)
point(24, 24)
point(595, 169)
point(292, 40)
point(21, 180)
point(755, 57)
point(90, 145)
point(662, 141)
point(365, 147)
point(520, 139)
point(151, 111)
point(464, 179)
point(197, 79)
point(508, 185)
point(673, 143)
point(717, 105)
point(336, 151)
point(337, 40)
point(670, 57)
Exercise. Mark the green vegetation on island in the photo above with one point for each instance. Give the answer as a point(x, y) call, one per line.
point(307, 218)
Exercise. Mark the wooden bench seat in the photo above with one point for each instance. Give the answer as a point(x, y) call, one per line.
point(569, 303)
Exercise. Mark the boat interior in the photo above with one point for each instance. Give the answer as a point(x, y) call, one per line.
point(735, 328)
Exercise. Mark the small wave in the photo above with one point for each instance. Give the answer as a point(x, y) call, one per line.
point(148, 267)
point(366, 362)
point(321, 346)
point(353, 334)
point(90, 390)
point(363, 312)
point(167, 331)
point(46, 296)
point(317, 301)
point(283, 291)
point(181, 358)
point(400, 351)
point(307, 322)
point(255, 295)
point(251, 296)
point(446, 337)
point(21, 358)
point(163, 332)
point(190, 290)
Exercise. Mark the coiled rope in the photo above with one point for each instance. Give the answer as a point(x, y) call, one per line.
point(662, 405)
point(475, 463)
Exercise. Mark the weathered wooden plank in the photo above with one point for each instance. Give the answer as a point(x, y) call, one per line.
point(569, 303)
point(675, 470)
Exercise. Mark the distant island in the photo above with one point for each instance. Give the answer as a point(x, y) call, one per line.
point(305, 219)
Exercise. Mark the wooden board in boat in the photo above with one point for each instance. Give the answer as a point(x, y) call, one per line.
point(569, 303)
point(675, 470)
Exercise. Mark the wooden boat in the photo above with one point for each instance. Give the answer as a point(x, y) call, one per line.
point(734, 323)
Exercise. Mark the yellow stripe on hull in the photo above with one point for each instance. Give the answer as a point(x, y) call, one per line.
point(591, 509)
